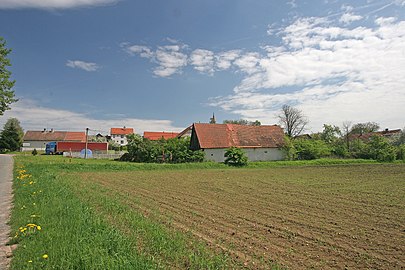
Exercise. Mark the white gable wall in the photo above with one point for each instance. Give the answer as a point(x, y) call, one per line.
point(253, 154)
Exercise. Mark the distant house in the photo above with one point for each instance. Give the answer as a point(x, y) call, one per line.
point(119, 135)
point(186, 132)
point(260, 143)
point(391, 135)
point(38, 139)
point(154, 136)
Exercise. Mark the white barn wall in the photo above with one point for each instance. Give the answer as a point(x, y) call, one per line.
point(253, 154)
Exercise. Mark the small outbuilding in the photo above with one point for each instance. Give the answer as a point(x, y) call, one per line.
point(38, 139)
point(260, 143)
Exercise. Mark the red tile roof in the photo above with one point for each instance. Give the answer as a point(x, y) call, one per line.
point(75, 136)
point(385, 133)
point(57, 136)
point(227, 135)
point(154, 136)
point(121, 131)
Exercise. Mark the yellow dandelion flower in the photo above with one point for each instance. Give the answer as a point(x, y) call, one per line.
point(30, 261)
point(45, 256)
point(31, 182)
point(39, 228)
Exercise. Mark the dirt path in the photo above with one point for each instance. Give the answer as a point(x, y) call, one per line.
point(6, 176)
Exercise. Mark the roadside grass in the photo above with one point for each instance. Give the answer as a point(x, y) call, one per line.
point(68, 228)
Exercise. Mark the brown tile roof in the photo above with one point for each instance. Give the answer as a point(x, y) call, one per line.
point(227, 135)
point(154, 136)
point(385, 133)
point(32, 135)
point(75, 136)
point(121, 131)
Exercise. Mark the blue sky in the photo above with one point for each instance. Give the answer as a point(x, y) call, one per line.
point(162, 65)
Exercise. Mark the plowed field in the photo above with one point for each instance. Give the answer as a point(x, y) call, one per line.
point(336, 217)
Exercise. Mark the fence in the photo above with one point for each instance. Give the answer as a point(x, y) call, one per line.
point(94, 155)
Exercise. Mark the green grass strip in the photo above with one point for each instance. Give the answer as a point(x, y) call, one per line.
point(71, 236)
point(86, 228)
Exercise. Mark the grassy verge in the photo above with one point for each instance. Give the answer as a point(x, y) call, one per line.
point(58, 226)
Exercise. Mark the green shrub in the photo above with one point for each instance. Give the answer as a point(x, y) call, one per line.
point(380, 149)
point(235, 157)
point(311, 149)
point(289, 149)
point(401, 152)
point(175, 150)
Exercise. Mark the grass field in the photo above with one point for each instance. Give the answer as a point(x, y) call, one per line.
point(110, 215)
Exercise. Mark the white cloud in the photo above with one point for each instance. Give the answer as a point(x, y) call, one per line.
point(348, 18)
point(332, 73)
point(87, 66)
point(170, 59)
point(224, 60)
point(248, 63)
point(52, 4)
point(202, 60)
point(35, 117)
point(143, 51)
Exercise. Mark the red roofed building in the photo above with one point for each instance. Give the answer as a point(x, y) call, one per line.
point(260, 143)
point(154, 136)
point(119, 135)
point(390, 135)
point(38, 139)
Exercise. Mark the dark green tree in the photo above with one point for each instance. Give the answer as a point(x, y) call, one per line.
point(363, 128)
point(6, 93)
point(380, 149)
point(11, 137)
point(330, 133)
point(235, 157)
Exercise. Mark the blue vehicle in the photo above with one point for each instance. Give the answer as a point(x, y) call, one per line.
point(50, 148)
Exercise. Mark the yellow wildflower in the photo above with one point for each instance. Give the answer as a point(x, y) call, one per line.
point(45, 256)
point(39, 228)
point(30, 261)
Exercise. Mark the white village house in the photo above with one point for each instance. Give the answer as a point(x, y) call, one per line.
point(119, 135)
point(260, 143)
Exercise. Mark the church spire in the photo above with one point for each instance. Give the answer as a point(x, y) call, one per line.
point(212, 119)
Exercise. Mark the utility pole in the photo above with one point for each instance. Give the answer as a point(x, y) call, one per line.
point(85, 150)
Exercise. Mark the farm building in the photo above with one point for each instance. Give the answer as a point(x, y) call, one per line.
point(154, 136)
point(38, 139)
point(390, 135)
point(119, 135)
point(260, 143)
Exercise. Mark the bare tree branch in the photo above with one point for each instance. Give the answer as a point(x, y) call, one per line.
point(292, 120)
